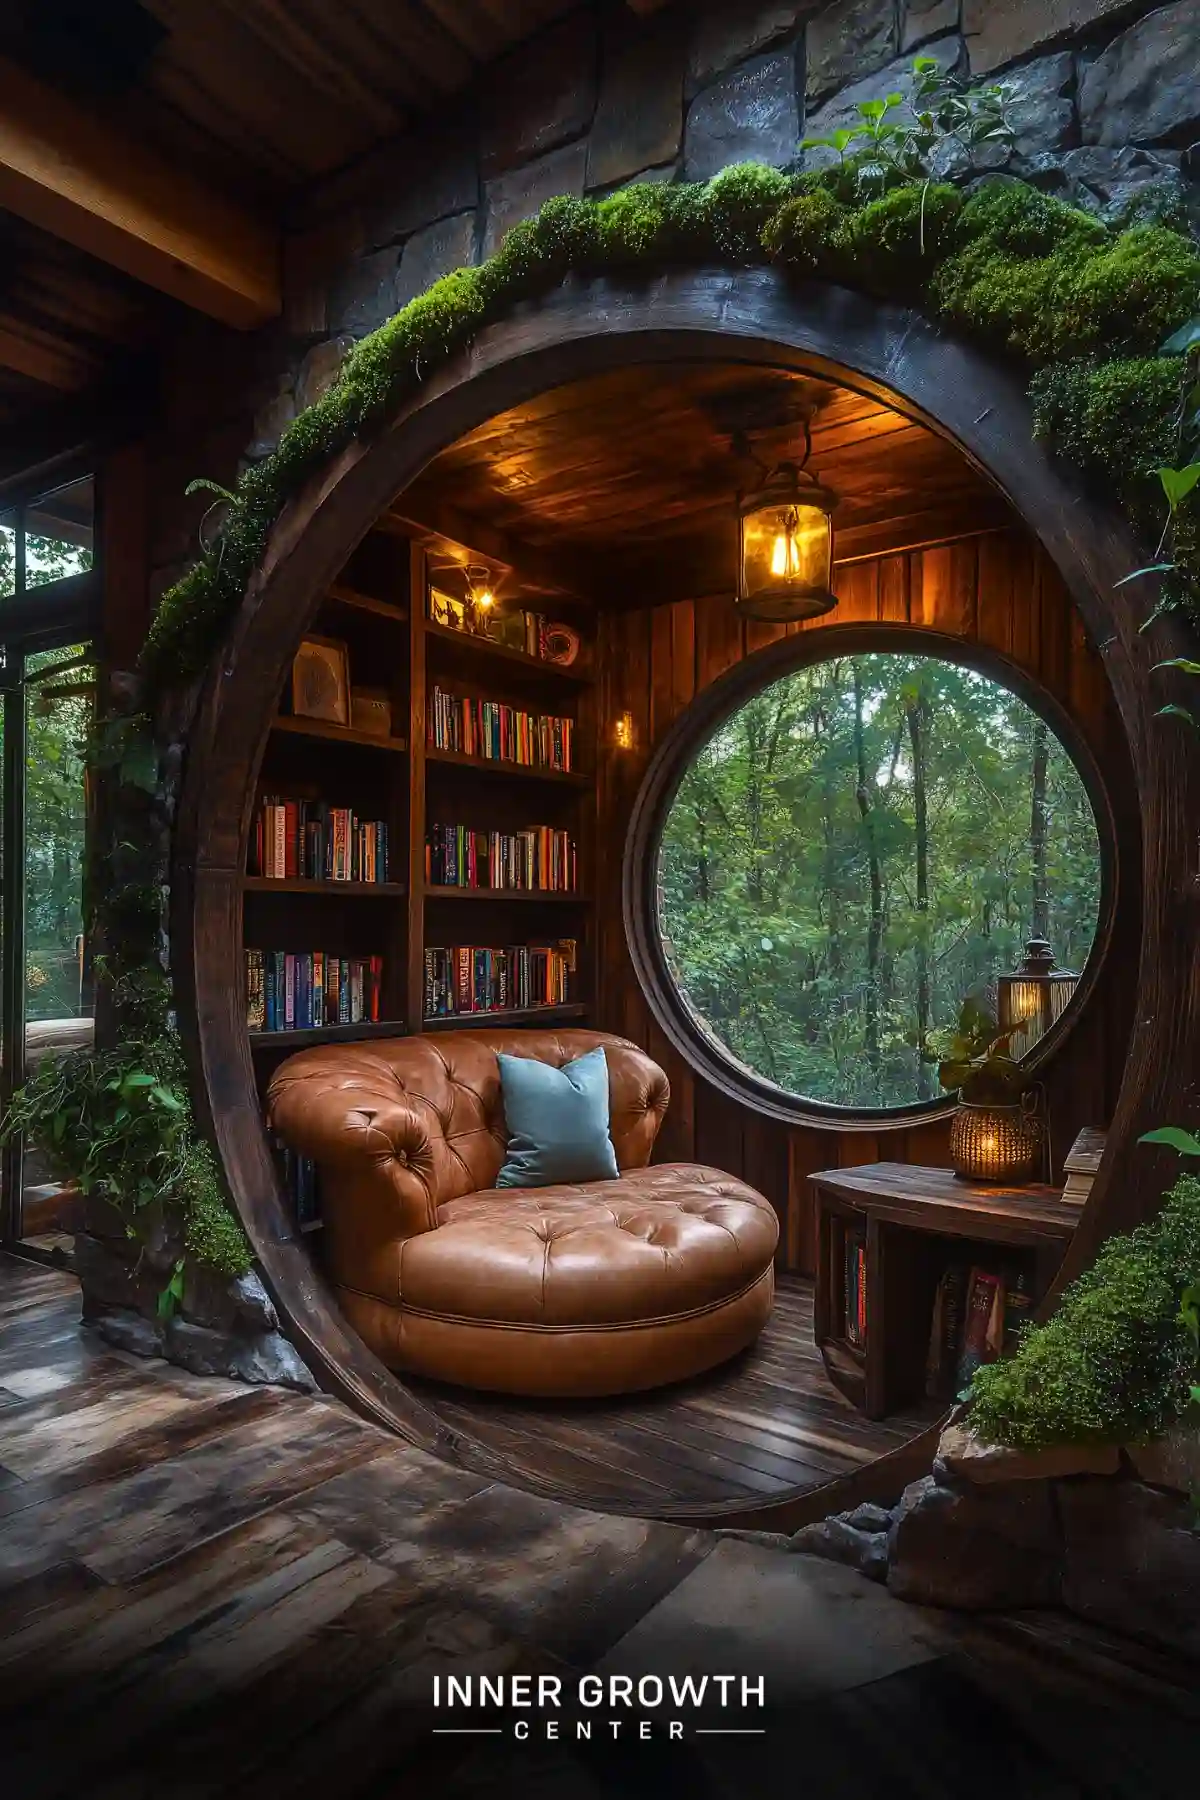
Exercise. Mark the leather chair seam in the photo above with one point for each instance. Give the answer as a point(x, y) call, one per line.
point(651, 1323)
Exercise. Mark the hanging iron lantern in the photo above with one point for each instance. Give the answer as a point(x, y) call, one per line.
point(785, 547)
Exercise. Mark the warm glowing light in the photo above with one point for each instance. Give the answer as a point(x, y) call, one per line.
point(623, 732)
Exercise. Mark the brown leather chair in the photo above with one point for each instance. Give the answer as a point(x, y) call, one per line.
point(599, 1288)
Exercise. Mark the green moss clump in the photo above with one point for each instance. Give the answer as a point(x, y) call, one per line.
point(805, 234)
point(1115, 1362)
point(735, 206)
point(1008, 216)
point(1127, 297)
point(1116, 420)
point(211, 1233)
point(891, 243)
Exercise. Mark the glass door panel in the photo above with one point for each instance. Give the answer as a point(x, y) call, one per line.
point(48, 1009)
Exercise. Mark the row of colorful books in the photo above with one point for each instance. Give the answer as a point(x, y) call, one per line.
point(289, 991)
point(978, 1312)
point(471, 978)
point(298, 1175)
point(310, 841)
point(457, 856)
point(499, 733)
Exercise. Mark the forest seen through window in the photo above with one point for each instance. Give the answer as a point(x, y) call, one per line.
point(858, 847)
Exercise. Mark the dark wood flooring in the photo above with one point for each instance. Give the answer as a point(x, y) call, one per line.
point(212, 1591)
point(767, 1424)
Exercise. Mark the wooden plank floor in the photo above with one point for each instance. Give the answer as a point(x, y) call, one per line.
point(212, 1591)
point(766, 1424)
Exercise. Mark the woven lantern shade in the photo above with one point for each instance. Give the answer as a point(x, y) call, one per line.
point(995, 1143)
point(1037, 992)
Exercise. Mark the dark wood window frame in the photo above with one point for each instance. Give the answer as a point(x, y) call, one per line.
point(714, 707)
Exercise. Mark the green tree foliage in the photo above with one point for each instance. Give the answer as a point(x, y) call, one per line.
point(859, 846)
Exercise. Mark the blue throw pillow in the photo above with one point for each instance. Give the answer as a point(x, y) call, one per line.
point(557, 1122)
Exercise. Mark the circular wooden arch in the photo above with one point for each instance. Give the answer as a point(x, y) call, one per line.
point(674, 755)
point(753, 316)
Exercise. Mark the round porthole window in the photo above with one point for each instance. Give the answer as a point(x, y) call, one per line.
point(852, 848)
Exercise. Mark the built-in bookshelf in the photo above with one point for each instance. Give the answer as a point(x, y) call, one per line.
point(449, 826)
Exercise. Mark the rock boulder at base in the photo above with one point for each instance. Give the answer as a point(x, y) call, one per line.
point(1132, 1560)
point(961, 1454)
point(837, 1540)
point(978, 1549)
point(1171, 1461)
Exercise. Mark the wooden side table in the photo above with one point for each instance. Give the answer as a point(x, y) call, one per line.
point(905, 1213)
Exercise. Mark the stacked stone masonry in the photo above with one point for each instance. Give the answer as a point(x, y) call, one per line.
point(1105, 100)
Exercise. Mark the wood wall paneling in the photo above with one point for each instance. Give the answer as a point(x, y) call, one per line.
point(999, 590)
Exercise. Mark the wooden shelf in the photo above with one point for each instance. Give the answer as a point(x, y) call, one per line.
point(326, 1034)
point(579, 677)
point(493, 766)
point(555, 896)
point(510, 1016)
point(358, 890)
point(335, 734)
point(367, 603)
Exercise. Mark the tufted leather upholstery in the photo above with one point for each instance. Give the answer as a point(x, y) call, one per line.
point(588, 1289)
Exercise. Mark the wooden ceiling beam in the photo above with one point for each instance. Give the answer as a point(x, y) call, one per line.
point(85, 182)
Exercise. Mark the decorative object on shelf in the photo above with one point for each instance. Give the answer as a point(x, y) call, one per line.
point(1034, 996)
point(371, 711)
point(996, 1143)
point(481, 599)
point(996, 1134)
point(1081, 1163)
point(785, 540)
point(321, 681)
point(561, 644)
point(623, 733)
point(446, 611)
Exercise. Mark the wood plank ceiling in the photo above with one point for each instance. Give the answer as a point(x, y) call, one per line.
point(627, 483)
point(251, 99)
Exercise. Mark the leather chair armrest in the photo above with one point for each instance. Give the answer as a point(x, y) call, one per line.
point(382, 1140)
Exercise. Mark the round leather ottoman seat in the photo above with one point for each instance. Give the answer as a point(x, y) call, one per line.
point(606, 1287)
point(592, 1290)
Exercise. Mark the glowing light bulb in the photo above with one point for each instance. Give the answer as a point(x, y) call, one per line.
point(785, 553)
point(485, 600)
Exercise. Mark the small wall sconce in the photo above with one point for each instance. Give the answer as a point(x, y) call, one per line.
point(623, 736)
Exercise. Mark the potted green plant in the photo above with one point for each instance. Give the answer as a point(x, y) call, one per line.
point(996, 1134)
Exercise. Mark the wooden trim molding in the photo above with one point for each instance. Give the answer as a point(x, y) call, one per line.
point(674, 756)
point(753, 316)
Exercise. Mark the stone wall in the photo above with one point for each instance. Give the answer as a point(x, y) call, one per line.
point(1105, 100)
